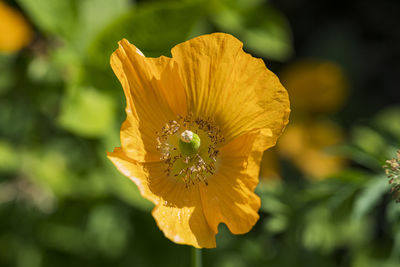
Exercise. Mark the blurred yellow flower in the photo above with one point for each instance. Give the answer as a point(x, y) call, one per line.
point(269, 167)
point(196, 127)
point(315, 86)
point(306, 145)
point(15, 32)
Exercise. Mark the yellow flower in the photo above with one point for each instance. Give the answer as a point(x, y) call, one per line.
point(306, 145)
point(212, 94)
point(269, 167)
point(15, 32)
point(315, 86)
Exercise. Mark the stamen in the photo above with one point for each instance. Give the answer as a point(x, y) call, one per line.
point(179, 145)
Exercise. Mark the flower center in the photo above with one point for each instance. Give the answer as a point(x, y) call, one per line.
point(189, 143)
point(189, 149)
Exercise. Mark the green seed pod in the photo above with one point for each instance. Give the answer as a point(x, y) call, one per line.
point(189, 143)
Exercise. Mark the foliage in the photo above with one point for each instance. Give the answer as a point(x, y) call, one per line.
point(63, 204)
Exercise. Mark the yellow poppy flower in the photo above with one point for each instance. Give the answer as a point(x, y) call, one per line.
point(306, 145)
point(15, 32)
point(315, 86)
point(196, 127)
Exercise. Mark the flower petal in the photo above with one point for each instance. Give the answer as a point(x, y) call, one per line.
point(232, 87)
point(182, 219)
point(134, 170)
point(154, 95)
point(171, 88)
point(178, 212)
point(229, 196)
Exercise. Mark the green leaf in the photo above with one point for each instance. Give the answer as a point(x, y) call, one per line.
point(63, 237)
point(276, 224)
point(272, 204)
point(389, 121)
point(107, 230)
point(154, 29)
point(272, 42)
point(369, 197)
point(368, 140)
point(393, 213)
point(47, 167)
point(7, 77)
point(335, 189)
point(77, 21)
point(324, 231)
point(9, 157)
point(87, 112)
point(262, 29)
point(360, 156)
point(54, 17)
point(94, 15)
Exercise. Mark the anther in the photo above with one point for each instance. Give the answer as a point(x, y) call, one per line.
point(188, 161)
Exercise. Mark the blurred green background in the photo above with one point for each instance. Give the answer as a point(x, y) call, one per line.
point(325, 199)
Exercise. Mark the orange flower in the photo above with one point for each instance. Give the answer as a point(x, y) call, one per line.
point(269, 166)
point(306, 144)
point(315, 86)
point(196, 127)
point(15, 32)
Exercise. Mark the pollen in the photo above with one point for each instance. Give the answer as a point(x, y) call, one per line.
point(189, 149)
point(187, 136)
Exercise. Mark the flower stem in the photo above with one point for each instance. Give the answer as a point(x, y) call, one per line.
point(196, 257)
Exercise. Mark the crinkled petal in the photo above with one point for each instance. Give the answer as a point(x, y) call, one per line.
point(135, 171)
point(226, 84)
point(182, 218)
point(154, 95)
point(229, 196)
point(178, 211)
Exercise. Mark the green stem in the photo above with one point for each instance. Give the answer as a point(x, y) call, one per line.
point(196, 257)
